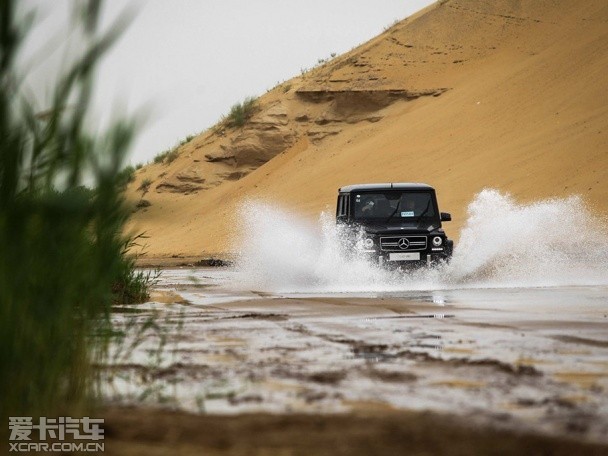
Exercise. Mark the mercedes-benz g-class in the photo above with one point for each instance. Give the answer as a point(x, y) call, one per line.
point(394, 223)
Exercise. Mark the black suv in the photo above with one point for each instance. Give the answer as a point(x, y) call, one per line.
point(397, 224)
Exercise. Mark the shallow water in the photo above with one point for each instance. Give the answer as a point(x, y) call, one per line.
point(533, 358)
point(556, 242)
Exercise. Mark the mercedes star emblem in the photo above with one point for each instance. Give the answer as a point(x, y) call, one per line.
point(403, 243)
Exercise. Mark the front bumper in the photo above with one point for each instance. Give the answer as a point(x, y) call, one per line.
point(415, 259)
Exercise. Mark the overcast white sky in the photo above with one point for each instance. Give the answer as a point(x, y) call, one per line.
point(190, 60)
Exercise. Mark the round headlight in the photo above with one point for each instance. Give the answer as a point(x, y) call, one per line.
point(368, 243)
point(437, 241)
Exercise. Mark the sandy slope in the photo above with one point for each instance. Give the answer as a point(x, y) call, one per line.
point(464, 95)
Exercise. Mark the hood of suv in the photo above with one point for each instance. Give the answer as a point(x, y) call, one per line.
point(395, 228)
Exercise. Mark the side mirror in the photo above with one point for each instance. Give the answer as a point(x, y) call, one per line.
point(446, 217)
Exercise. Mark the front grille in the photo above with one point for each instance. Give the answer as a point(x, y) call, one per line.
point(391, 243)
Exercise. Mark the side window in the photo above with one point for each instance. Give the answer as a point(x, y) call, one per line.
point(346, 205)
point(342, 209)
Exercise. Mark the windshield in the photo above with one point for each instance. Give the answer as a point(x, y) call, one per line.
point(400, 206)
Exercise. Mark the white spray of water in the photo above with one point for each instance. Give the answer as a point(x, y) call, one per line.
point(547, 243)
point(555, 242)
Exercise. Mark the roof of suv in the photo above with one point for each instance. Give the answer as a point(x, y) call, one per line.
point(384, 186)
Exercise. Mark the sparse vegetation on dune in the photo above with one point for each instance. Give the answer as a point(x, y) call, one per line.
point(391, 25)
point(169, 155)
point(159, 158)
point(172, 155)
point(320, 62)
point(64, 259)
point(187, 139)
point(144, 187)
point(127, 175)
point(166, 156)
point(241, 112)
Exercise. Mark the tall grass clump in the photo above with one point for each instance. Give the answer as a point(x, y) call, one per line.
point(134, 285)
point(160, 157)
point(186, 140)
point(166, 156)
point(127, 175)
point(62, 248)
point(241, 112)
point(172, 155)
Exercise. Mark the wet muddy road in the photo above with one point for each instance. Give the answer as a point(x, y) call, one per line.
point(533, 359)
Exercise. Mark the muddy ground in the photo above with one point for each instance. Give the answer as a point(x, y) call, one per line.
point(150, 432)
point(456, 371)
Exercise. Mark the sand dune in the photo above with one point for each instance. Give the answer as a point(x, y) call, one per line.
point(464, 95)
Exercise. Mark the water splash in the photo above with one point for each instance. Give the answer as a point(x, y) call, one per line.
point(546, 243)
point(556, 242)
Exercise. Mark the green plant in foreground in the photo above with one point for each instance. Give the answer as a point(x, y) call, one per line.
point(63, 254)
point(134, 286)
point(240, 113)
